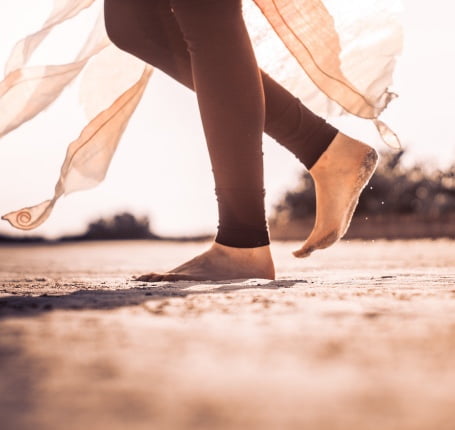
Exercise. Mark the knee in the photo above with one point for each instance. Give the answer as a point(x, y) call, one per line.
point(203, 22)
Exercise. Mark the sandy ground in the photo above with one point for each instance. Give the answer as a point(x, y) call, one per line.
point(360, 336)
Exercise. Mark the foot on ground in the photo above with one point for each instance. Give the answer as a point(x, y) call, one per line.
point(339, 175)
point(221, 263)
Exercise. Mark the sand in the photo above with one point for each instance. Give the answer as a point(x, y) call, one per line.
point(359, 336)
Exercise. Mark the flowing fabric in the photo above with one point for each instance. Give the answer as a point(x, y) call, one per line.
point(338, 56)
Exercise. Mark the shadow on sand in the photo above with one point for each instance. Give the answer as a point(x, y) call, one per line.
point(107, 299)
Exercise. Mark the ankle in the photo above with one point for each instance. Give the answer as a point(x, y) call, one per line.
point(340, 155)
point(258, 258)
point(244, 252)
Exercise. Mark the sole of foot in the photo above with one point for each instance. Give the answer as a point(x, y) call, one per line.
point(340, 175)
point(221, 263)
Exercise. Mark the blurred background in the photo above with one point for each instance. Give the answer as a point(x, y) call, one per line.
point(160, 184)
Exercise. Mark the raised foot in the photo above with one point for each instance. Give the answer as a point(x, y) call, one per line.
point(340, 175)
point(221, 263)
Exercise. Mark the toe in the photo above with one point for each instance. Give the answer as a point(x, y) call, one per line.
point(313, 244)
point(304, 251)
point(150, 277)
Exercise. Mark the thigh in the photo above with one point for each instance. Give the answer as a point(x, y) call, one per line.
point(148, 29)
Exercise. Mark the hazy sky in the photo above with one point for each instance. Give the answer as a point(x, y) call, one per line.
point(161, 168)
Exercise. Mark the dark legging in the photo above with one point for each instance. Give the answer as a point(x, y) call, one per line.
point(204, 45)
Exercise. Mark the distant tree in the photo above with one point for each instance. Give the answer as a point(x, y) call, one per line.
point(120, 226)
point(393, 189)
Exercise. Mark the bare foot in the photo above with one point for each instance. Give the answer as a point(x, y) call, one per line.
point(221, 263)
point(340, 175)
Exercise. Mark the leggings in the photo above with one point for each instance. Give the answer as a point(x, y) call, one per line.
point(204, 45)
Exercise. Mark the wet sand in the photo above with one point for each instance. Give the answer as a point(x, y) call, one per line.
point(359, 336)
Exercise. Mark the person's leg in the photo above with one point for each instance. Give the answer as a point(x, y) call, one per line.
point(231, 102)
point(149, 30)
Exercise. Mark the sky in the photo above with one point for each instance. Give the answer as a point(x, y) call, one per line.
point(161, 168)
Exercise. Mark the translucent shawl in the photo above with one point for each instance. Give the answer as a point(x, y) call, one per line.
point(336, 55)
